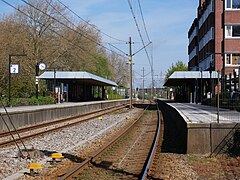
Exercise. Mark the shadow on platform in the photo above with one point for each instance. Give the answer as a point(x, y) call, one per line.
point(175, 130)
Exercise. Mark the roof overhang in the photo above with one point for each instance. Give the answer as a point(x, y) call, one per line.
point(77, 75)
point(179, 78)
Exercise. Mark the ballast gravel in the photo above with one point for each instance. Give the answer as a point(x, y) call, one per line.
point(68, 141)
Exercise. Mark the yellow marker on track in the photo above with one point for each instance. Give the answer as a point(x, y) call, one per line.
point(33, 166)
point(57, 156)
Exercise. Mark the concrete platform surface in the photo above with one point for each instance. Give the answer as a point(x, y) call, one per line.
point(195, 128)
point(51, 106)
point(197, 113)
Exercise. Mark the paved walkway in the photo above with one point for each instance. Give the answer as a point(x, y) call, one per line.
point(197, 113)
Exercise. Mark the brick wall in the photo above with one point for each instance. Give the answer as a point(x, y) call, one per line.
point(232, 17)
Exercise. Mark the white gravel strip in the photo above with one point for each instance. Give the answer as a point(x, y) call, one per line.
point(65, 141)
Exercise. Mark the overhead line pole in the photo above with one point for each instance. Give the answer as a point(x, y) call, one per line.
point(130, 63)
point(143, 93)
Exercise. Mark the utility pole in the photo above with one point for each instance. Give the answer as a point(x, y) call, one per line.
point(130, 63)
point(143, 86)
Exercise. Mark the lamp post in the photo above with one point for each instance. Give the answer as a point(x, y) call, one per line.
point(54, 81)
point(37, 76)
point(201, 90)
point(218, 82)
point(210, 71)
point(218, 97)
point(11, 70)
point(200, 69)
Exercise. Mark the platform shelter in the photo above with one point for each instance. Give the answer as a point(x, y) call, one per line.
point(192, 86)
point(76, 86)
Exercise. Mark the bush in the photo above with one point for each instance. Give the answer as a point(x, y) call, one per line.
point(115, 96)
point(28, 101)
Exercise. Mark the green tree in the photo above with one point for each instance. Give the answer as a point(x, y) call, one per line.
point(101, 65)
point(179, 66)
point(51, 36)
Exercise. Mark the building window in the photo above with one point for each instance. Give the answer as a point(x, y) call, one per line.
point(228, 32)
point(228, 59)
point(236, 31)
point(232, 31)
point(235, 4)
point(235, 59)
point(228, 6)
point(232, 59)
point(232, 4)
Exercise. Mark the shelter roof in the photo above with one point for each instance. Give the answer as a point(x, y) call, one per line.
point(179, 78)
point(77, 75)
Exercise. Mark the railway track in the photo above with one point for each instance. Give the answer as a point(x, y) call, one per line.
point(152, 170)
point(127, 156)
point(43, 128)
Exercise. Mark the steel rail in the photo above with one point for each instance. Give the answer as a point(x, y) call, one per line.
point(5, 143)
point(25, 129)
point(75, 171)
point(153, 150)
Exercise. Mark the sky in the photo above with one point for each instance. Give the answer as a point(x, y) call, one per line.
point(167, 23)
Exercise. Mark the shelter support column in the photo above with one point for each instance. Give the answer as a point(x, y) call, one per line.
point(103, 93)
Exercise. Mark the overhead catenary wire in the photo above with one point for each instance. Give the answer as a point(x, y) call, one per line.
point(58, 11)
point(139, 32)
point(93, 26)
point(90, 23)
point(99, 44)
point(44, 26)
point(89, 38)
point(70, 42)
point(141, 37)
point(9, 130)
point(117, 48)
point(37, 21)
point(144, 24)
point(60, 35)
point(78, 27)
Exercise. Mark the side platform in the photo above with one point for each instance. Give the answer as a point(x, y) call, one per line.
point(194, 128)
point(30, 115)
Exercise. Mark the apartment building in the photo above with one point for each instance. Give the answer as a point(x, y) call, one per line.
point(214, 36)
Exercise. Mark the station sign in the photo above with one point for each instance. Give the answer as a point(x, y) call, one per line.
point(14, 68)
